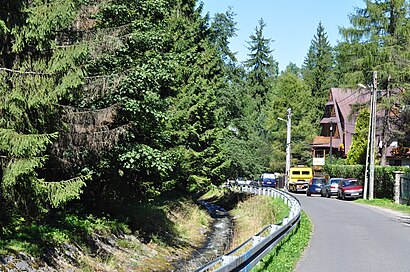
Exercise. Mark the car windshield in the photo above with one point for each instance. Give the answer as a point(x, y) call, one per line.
point(319, 181)
point(334, 181)
point(351, 182)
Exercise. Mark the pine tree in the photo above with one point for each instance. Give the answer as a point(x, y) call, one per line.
point(222, 29)
point(263, 69)
point(318, 69)
point(37, 73)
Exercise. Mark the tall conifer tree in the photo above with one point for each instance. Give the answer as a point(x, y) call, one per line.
point(378, 40)
point(260, 63)
point(318, 67)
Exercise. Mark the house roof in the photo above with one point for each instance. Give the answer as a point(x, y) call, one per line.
point(345, 99)
point(345, 103)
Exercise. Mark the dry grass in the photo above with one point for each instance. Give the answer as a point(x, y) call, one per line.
point(189, 222)
point(251, 215)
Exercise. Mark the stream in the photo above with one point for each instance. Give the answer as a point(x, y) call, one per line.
point(218, 239)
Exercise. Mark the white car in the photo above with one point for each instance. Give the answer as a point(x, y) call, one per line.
point(330, 188)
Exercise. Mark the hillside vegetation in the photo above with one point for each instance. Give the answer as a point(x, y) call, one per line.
point(106, 106)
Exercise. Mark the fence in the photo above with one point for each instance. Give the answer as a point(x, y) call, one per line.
point(247, 255)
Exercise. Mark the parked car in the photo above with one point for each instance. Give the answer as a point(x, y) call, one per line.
point(315, 185)
point(243, 181)
point(240, 181)
point(330, 188)
point(349, 188)
point(268, 180)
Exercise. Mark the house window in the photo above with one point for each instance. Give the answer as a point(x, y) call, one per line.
point(395, 162)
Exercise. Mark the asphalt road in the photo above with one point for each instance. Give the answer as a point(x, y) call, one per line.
point(353, 237)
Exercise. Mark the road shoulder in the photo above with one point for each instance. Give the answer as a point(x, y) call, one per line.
point(396, 215)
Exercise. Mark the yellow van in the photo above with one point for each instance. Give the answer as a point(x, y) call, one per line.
point(299, 178)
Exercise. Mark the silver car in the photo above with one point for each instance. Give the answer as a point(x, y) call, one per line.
point(330, 188)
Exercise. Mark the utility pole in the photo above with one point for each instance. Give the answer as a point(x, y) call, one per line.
point(366, 172)
point(288, 125)
point(288, 147)
point(331, 144)
point(373, 137)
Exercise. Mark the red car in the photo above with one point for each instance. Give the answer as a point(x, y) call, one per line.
point(349, 188)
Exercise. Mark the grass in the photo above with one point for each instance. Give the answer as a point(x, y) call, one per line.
point(284, 257)
point(251, 214)
point(256, 212)
point(386, 203)
point(154, 232)
point(37, 238)
point(165, 228)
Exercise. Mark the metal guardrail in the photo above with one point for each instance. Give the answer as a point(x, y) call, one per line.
point(247, 255)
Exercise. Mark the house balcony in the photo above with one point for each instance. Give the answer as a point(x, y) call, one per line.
point(324, 142)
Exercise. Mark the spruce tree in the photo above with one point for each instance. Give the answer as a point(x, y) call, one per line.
point(223, 27)
point(318, 69)
point(263, 69)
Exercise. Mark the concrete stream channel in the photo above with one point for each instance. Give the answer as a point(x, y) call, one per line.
point(218, 239)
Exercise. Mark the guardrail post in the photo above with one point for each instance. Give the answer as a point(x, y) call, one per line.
point(228, 259)
point(273, 228)
point(256, 240)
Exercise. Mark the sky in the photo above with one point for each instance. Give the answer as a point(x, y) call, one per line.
point(291, 25)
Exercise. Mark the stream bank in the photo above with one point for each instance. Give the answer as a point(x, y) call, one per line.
point(218, 239)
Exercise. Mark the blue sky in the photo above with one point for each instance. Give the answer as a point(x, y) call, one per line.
point(290, 24)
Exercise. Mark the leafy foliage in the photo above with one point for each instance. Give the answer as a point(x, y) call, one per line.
point(290, 92)
point(358, 149)
point(104, 104)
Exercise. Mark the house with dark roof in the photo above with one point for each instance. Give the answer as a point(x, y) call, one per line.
point(338, 128)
